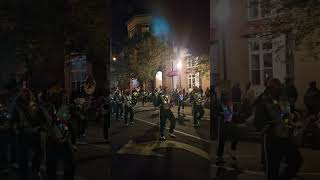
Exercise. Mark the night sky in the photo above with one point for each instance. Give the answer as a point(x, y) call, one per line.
point(188, 20)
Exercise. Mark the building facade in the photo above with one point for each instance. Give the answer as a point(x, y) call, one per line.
point(139, 24)
point(242, 52)
point(76, 69)
point(171, 76)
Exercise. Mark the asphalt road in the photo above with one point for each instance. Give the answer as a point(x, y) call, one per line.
point(136, 153)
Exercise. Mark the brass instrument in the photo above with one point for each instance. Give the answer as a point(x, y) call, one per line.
point(89, 86)
point(199, 100)
point(166, 101)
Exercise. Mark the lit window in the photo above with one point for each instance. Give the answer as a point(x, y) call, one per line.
point(193, 80)
point(261, 60)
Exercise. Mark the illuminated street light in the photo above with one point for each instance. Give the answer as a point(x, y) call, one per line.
point(114, 58)
point(179, 65)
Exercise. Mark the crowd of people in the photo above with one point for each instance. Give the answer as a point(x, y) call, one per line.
point(123, 102)
point(48, 124)
point(42, 127)
point(282, 127)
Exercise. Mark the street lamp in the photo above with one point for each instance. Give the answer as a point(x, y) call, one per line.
point(179, 65)
point(114, 58)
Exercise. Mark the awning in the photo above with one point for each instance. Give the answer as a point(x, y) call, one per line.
point(254, 27)
point(172, 73)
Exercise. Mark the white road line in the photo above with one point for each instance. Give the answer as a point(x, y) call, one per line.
point(177, 131)
point(92, 145)
point(190, 117)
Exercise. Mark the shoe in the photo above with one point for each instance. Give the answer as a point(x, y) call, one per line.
point(196, 125)
point(131, 123)
point(162, 138)
point(127, 124)
point(172, 135)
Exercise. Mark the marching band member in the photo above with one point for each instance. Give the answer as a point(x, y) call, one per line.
point(182, 97)
point(163, 101)
point(197, 106)
point(129, 103)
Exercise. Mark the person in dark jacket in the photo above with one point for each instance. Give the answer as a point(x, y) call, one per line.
point(291, 93)
point(61, 143)
point(312, 99)
point(181, 101)
point(226, 128)
point(27, 124)
point(277, 142)
point(236, 96)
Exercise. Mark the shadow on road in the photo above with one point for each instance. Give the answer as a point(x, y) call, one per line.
point(154, 115)
point(181, 120)
point(149, 135)
point(221, 173)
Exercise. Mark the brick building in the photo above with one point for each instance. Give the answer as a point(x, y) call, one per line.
point(171, 76)
point(241, 52)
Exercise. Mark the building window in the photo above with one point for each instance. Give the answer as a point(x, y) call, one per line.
point(261, 59)
point(191, 80)
point(258, 9)
point(145, 28)
point(77, 78)
point(191, 63)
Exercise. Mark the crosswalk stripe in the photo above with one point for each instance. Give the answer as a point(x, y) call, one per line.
point(177, 131)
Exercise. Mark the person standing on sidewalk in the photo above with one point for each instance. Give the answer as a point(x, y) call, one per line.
point(277, 141)
point(291, 93)
point(226, 127)
point(236, 96)
point(163, 101)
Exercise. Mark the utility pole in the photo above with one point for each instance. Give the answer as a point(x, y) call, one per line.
point(172, 75)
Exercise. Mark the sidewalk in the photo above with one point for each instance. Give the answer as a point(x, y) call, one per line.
point(249, 161)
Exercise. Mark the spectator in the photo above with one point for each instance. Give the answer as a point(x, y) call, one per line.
point(291, 93)
point(236, 96)
point(249, 95)
point(312, 99)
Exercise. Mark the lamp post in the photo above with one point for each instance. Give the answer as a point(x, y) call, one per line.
point(179, 65)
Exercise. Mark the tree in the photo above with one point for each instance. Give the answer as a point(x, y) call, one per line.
point(146, 55)
point(203, 65)
point(298, 19)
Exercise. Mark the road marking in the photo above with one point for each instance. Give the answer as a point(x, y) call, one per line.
point(206, 118)
point(93, 145)
point(147, 148)
point(177, 131)
point(143, 149)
